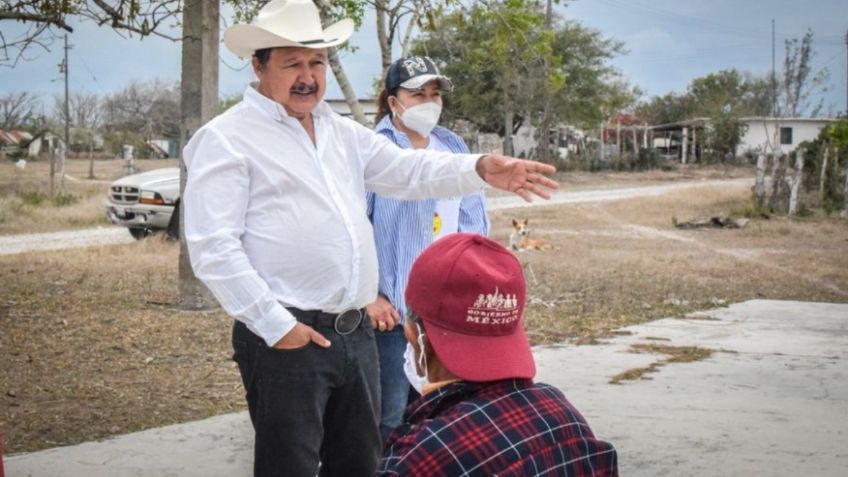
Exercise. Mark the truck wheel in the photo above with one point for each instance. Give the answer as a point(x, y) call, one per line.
point(139, 233)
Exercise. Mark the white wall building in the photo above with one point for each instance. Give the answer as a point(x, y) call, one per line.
point(783, 134)
point(369, 107)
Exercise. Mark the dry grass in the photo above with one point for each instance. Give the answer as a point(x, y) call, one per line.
point(623, 262)
point(89, 351)
point(20, 215)
point(87, 354)
point(676, 354)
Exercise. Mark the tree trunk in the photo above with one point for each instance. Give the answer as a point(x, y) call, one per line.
point(382, 37)
point(199, 102)
point(845, 195)
point(760, 183)
point(778, 174)
point(347, 89)
point(618, 138)
point(507, 140)
point(63, 154)
point(796, 181)
point(338, 71)
point(823, 174)
point(635, 143)
point(51, 151)
point(407, 37)
point(91, 161)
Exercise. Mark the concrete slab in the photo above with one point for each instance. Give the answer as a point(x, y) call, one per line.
point(772, 400)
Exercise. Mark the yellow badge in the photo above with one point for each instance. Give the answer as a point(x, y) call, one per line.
point(437, 224)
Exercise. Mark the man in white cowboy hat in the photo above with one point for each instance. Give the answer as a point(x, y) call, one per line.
point(276, 227)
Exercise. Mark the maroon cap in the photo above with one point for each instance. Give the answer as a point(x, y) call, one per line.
point(470, 293)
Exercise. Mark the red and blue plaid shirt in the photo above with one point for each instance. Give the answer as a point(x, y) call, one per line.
point(503, 428)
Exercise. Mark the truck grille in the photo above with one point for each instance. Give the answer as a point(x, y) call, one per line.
point(124, 194)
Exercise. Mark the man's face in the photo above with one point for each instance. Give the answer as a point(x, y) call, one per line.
point(294, 77)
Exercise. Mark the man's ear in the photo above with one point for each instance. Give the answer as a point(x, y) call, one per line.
point(257, 66)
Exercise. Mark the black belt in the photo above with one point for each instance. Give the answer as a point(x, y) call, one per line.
point(344, 323)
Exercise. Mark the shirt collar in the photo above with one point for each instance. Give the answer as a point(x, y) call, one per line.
point(434, 402)
point(273, 109)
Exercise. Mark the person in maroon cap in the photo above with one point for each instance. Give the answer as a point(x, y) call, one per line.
point(481, 414)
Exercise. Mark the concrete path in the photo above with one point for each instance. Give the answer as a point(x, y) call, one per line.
point(772, 400)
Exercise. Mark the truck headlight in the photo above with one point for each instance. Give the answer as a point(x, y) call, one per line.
point(150, 197)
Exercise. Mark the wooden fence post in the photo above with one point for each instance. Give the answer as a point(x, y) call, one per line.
point(796, 181)
point(760, 184)
point(823, 174)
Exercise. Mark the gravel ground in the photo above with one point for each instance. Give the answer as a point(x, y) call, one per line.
point(12, 244)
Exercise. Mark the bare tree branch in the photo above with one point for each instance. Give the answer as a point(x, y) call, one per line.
point(142, 17)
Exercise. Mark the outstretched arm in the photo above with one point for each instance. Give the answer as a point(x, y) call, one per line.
point(525, 178)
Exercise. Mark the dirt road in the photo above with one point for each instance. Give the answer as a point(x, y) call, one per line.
point(13, 244)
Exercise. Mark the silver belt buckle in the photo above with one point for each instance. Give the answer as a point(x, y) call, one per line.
point(347, 321)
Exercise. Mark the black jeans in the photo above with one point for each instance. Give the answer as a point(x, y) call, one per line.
point(313, 404)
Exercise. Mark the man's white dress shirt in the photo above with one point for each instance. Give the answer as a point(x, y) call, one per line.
point(273, 220)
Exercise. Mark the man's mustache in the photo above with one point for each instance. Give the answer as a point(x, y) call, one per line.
point(303, 88)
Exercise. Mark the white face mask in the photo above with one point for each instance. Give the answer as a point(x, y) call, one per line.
point(416, 380)
point(421, 118)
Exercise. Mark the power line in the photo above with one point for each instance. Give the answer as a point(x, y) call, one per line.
point(85, 65)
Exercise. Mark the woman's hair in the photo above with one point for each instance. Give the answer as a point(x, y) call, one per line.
point(383, 104)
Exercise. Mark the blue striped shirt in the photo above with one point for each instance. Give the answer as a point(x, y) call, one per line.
point(404, 228)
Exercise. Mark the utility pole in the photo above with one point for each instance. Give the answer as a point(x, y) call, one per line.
point(67, 108)
point(63, 69)
point(773, 78)
point(846, 72)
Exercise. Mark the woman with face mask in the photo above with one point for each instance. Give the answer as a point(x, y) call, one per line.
point(410, 106)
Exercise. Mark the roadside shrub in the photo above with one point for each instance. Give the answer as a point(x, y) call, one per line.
point(34, 199)
point(62, 200)
point(37, 199)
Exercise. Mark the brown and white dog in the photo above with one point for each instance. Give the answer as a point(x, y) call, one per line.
point(519, 239)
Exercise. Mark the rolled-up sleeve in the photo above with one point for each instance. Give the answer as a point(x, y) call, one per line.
point(215, 200)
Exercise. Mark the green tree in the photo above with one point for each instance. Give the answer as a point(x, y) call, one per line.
point(594, 90)
point(508, 68)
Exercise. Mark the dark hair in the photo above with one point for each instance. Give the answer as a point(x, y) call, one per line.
point(263, 56)
point(383, 109)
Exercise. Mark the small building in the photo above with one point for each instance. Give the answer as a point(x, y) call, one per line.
point(368, 105)
point(684, 139)
point(784, 133)
point(13, 140)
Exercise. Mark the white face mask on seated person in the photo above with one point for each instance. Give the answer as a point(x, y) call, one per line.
point(421, 118)
point(409, 360)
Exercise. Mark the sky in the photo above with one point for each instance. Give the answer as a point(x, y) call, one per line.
point(669, 43)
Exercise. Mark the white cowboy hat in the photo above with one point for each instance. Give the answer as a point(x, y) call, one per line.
point(286, 23)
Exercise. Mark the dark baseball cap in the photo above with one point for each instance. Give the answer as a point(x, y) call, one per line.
point(413, 72)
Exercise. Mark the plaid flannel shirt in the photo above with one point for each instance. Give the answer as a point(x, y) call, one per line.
point(504, 428)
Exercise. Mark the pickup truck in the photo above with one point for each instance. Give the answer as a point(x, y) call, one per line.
point(147, 202)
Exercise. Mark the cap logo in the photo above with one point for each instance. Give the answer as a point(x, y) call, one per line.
point(493, 309)
point(412, 64)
